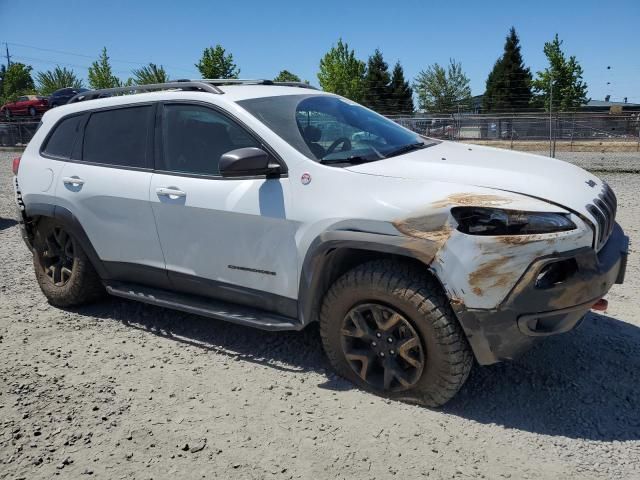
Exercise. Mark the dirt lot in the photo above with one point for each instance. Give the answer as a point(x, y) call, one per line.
point(120, 390)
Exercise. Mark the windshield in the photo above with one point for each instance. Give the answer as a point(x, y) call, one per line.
point(330, 129)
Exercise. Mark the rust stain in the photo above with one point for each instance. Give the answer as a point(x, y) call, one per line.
point(489, 275)
point(431, 229)
point(471, 199)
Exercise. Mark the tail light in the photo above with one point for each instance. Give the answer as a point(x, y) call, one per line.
point(16, 165)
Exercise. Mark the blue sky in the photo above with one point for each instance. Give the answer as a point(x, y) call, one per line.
point(266, 37)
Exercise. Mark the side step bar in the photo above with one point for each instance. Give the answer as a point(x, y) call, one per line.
point(204, 306)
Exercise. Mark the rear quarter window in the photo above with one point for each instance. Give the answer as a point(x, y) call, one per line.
point(118, 137)
point(63, 137)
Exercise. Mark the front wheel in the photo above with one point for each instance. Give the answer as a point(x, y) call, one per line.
point(63, 271)
point(389, 328)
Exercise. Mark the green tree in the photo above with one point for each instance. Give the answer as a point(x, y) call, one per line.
point(509, 83)
point(441, 90)
point(342, 73)
point(100, 73)
point(286, 76)
point(564, 76)
point(149, 74)
point(17, 81)
point(52, 80)
point(216, 63)
point(401, 102)
point(377, 88)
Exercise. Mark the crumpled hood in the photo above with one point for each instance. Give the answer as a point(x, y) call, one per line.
point(541, 177)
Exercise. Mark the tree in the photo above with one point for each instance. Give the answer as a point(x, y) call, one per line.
point(286, 76)
point(17, 81)
point(59, 77)
point(100, 74)
point(216, 63)
point(377, 88)
point(569, 90)
point(441, 90)
point(509, 83)
point(342, 73)
point(148, 74)
point(401, 102)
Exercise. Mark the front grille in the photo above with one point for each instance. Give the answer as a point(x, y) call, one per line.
point(604, 210)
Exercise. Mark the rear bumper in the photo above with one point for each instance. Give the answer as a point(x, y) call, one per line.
point(535, 309)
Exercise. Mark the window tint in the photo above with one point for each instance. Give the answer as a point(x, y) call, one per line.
point(118, 137)
point(195, 137)
point(64, 135)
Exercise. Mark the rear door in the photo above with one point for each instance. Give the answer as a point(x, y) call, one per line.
point(106, 187)
point(224, 238)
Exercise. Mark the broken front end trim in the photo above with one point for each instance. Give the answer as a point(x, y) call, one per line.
point(538, 306)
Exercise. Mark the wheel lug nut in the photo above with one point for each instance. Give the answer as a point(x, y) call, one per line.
point(392, 352)
point(378, 335)
point(374, 344)
point(382, 354)
point(390, 340)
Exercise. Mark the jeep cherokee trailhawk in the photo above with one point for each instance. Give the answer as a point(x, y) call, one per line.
point(277, 205)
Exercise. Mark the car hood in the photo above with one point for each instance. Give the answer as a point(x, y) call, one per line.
point(536, 176)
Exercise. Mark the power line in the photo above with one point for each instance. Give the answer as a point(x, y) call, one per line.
point(113, 60)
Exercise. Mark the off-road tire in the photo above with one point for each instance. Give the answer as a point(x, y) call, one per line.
point(83, 284)
point(414, 294)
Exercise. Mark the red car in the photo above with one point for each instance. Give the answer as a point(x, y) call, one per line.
point(31, 105)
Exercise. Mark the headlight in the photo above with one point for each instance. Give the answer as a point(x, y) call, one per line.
point(494, 221)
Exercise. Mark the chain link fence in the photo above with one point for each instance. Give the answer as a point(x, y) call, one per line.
point(568, 132)
point(530, 131)
point(17, 133)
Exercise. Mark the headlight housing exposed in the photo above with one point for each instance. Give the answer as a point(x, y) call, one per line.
point(496, 221)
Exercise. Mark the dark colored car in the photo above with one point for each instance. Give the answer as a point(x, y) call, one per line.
point(62, 96)
point(31, 105)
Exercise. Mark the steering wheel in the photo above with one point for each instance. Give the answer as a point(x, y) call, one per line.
point(346, 145)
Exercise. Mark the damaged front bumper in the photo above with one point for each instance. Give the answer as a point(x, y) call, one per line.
point(551, 297)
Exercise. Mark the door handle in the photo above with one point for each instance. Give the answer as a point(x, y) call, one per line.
point(172, 193)
point(74, 181)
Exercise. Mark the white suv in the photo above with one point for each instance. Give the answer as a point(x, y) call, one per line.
point(276, 206)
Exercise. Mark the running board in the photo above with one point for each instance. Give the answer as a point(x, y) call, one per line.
point(204, 306)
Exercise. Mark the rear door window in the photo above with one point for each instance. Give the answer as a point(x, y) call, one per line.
point(119, 137)
point(63, 137)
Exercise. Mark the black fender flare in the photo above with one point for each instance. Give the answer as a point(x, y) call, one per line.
point(318, 258)
point(72, 224)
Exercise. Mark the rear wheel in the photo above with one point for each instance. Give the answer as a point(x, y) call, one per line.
point(389, 328)
point(32, 111)
point(63, 271)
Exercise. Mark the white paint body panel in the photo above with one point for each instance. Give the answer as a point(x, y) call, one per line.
point(218, 223)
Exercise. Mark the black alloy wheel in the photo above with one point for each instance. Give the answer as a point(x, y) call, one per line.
point(382, 347)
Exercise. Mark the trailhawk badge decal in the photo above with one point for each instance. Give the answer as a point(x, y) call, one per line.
point(306, 178)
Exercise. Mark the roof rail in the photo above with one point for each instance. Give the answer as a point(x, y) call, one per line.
point(252, 81)
point(177, 85)
point(201, 84)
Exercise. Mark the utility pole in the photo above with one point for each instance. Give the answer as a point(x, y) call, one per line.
point(550, 114)
point(6, 46)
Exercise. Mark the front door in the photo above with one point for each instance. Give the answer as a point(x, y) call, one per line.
point(224, 238)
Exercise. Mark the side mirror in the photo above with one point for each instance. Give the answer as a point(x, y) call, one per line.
point(247, 162)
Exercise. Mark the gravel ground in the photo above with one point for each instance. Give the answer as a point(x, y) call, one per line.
point(121, 390)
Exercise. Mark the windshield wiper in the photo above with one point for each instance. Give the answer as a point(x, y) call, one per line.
point(406, 149)
point(355, 160)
